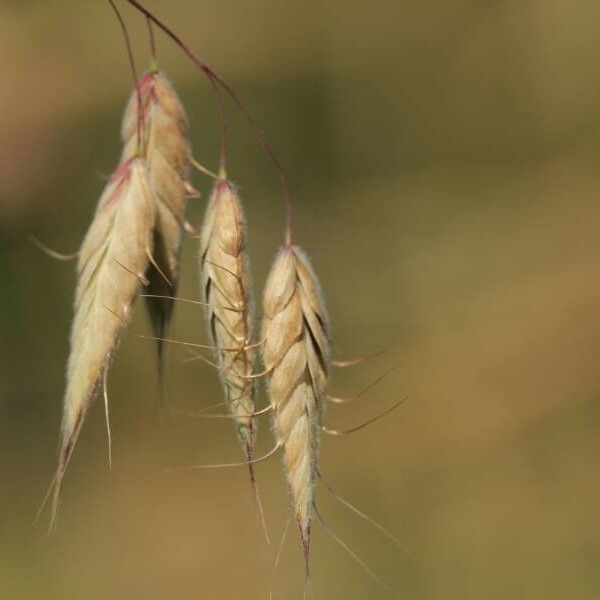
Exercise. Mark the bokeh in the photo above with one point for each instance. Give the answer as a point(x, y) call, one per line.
point(444, 160)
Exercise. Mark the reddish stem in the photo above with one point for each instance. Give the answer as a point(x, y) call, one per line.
point(133, 72)
point(215, 78)
point(152, 41)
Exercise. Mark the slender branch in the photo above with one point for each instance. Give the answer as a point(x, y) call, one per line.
point(133, 71)
point(152, 42)
point(256, 129)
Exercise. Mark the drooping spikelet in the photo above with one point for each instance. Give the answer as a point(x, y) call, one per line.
point(165, 145)
point(296, 355)
point(226, 289)
point(112, 261)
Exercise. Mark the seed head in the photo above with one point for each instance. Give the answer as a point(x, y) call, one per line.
point(296, 354)
point(112, 261)
point(224, 275)
point(165, 145)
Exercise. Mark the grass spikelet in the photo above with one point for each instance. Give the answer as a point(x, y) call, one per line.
point(296, 355)
point(165, 145)
point(224, 275)
point(112, 261)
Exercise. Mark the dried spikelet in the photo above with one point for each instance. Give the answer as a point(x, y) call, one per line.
point(296, 355)
point(165, 145)
point(226, 289)
point(112, 261)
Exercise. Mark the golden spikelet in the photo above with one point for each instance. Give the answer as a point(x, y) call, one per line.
point(112, 261)
point(165, 145)
point(296, 355)
point(226, 289)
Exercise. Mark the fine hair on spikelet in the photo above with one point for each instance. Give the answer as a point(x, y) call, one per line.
point(225, 287)
point(112, 261)
point(296, 355)
point(165, 145)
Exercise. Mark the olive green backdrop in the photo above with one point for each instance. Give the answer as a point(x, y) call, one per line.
point(444, 161)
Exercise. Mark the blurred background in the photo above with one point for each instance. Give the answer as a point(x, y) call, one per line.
point(444, 159)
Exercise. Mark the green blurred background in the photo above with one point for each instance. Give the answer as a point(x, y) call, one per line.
point(444, 159)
